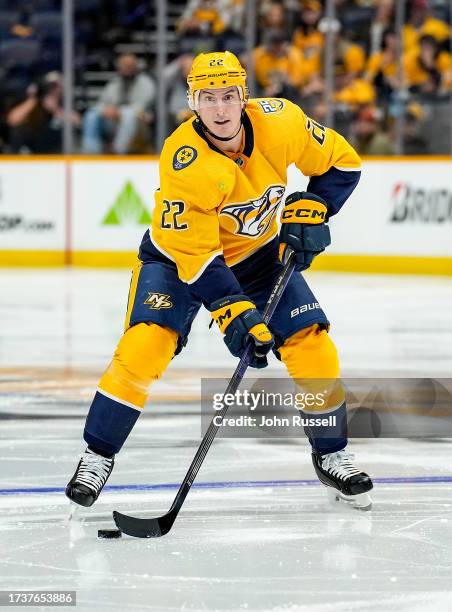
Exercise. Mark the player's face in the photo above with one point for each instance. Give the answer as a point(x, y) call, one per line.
point(220, 110)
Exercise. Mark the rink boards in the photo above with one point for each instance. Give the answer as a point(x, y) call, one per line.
point(93, 212)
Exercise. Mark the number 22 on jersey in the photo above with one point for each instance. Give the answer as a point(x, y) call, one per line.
point(171, 215)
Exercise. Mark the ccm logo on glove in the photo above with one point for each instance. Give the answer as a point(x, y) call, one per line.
point(315, 213)
point(241, 323)
point(303, 229)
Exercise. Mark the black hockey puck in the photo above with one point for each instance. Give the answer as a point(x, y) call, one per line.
point(109, 533)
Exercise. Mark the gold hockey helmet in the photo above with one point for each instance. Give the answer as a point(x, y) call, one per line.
point(215, 70)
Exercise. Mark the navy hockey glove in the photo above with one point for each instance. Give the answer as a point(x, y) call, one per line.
point(303, 228)
point(241, 322)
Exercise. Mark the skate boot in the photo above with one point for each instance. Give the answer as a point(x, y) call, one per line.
point(90, 476)
point(343, 480)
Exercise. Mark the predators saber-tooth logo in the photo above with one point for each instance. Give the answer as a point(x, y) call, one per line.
point(157, 301)
point(253, 218)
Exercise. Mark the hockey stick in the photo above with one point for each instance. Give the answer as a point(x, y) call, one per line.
point(156, 527)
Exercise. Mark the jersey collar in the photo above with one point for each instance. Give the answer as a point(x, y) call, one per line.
point(249, 136)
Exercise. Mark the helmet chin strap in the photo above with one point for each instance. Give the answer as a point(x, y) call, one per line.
point(221, 138)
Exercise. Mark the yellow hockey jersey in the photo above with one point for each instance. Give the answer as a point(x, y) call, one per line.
point(209, 204)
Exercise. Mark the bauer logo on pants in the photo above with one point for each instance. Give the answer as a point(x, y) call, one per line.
point(301, 309)
point(157, 301)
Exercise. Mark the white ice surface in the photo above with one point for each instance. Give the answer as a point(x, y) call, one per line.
point(273, 547)
point(70, 318)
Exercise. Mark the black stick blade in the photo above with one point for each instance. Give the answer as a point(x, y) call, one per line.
point(143, 528)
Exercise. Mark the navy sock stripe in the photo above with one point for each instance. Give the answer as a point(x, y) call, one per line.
point(108, 424)
point(329, 438)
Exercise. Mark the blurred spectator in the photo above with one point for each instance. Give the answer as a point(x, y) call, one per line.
point(414, 142)
point(382, 66)
point(231, 40)
point(278, 66)
point(203, 17)
point(428, 68)
point(351, 88)
point(350, 57)
point(123, 115)
point(422, 23)
point(368, 137)
point(175, 76)
point(21, 27)
point(355, 93)
point(273, 18)
point(319, 111)
point(235, 14)
point(232, 37)
point(309, 40)
point(355, 17)
point(382, 21)
point(35, 125)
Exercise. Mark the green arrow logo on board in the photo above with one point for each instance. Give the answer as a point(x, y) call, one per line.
point(128, 208)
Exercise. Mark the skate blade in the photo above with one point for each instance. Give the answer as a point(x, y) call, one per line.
point(362, 501)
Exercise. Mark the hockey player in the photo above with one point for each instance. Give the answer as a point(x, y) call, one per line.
point(214, 242)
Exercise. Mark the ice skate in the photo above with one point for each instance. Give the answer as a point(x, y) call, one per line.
point(89, 479)
point(343, 480)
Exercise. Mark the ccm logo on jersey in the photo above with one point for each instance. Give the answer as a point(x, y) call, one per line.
point(157, 301)
point(301, 213)
point(183, 157)
point(271, 106)
point(301, 309)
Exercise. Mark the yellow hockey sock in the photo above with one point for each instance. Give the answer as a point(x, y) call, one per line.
point(311, 359)
point(141, 357)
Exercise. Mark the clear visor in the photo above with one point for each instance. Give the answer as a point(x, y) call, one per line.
point(217, 99)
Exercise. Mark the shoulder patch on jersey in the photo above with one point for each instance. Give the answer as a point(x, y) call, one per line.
point(183, 157)
point(271, 105)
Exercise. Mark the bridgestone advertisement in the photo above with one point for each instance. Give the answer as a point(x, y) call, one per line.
point(399, 208)
point(32, 206)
